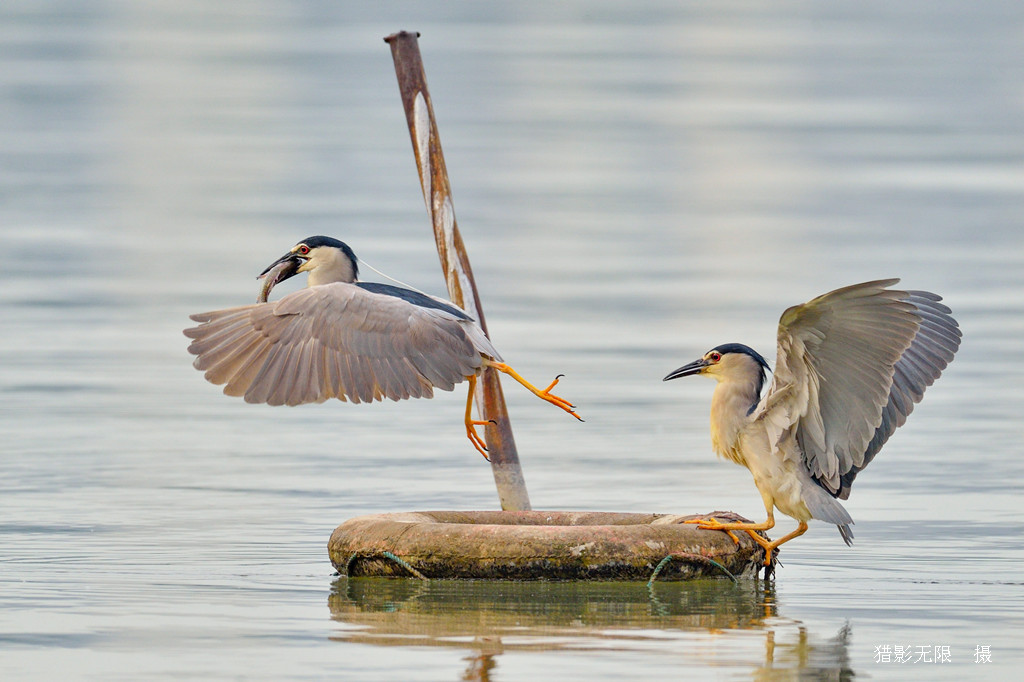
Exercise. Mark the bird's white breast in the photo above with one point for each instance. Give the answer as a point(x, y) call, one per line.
point(729, 407)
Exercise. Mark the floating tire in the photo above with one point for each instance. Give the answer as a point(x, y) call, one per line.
point(540, 545)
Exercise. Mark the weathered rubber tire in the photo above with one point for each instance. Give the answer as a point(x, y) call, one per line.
point(539, 545)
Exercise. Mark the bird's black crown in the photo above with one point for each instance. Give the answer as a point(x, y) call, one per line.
point(320, 240)
point(726, 348)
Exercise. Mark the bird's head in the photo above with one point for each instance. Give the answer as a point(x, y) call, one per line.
point(731, 362)
point(325, 259)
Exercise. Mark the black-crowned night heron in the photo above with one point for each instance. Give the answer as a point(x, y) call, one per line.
point(851, 365)
point(346, 339)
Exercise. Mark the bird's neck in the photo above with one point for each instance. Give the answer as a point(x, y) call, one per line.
point(730, 405)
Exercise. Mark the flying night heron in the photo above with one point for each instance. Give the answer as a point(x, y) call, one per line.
point(346, 339)
point(851, 365)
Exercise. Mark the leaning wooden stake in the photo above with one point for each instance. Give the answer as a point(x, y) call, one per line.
point(426, 144)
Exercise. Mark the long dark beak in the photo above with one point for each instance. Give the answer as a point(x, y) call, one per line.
point(687, 370)
point(290, 258)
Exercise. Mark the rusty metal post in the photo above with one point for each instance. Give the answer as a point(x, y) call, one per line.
point(426, 144)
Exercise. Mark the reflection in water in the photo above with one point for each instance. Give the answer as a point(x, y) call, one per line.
point(491, 618)
point(826, 661)
point(480, 668)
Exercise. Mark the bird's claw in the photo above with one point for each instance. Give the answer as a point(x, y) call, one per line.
point(751, 530)
point(558, 401)
point(544, 394)
point(714, 524)
point(707, 524)
point(768, 547)
point(475, 438)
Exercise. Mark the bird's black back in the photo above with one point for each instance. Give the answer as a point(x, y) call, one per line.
point(414, 297)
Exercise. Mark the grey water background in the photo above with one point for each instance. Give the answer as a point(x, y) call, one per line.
point(635, 182)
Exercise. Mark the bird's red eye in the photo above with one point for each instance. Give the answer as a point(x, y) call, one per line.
point(303, 250)
point(715, 357)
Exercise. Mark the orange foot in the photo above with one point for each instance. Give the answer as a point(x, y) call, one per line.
point(714, 524)
point(751, 529)
point(471, 423)
point(544, 394)
point(558, 401)
point(475, 438)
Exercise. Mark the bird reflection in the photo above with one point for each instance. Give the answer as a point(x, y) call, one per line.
point(829, 660)
point(480, 668)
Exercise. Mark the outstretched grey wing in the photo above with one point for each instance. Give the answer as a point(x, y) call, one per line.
point(336, 341)
point(930, 352)
point(851, 365)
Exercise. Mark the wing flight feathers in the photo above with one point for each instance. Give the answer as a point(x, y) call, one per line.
point(336, 340)
point(853, 363)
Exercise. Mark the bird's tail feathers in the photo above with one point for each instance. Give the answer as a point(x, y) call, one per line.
point(844, 530)
point(480, 341)
point(827, 508)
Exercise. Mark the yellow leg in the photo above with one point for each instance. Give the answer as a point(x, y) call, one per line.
point(471, 423)
point(750, 528)
point(768, 547)
point(545, 394)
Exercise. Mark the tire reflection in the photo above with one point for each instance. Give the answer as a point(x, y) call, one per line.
point(490, 618)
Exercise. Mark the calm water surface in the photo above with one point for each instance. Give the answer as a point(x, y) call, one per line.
point(636, 183)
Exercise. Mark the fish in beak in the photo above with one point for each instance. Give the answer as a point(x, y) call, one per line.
point(284, 267)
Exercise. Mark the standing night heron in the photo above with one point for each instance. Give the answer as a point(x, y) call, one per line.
point(346, 339)
point(851, 365)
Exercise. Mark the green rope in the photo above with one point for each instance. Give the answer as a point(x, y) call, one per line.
point(681, 555)
point(404, 564)
point(387, 555)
